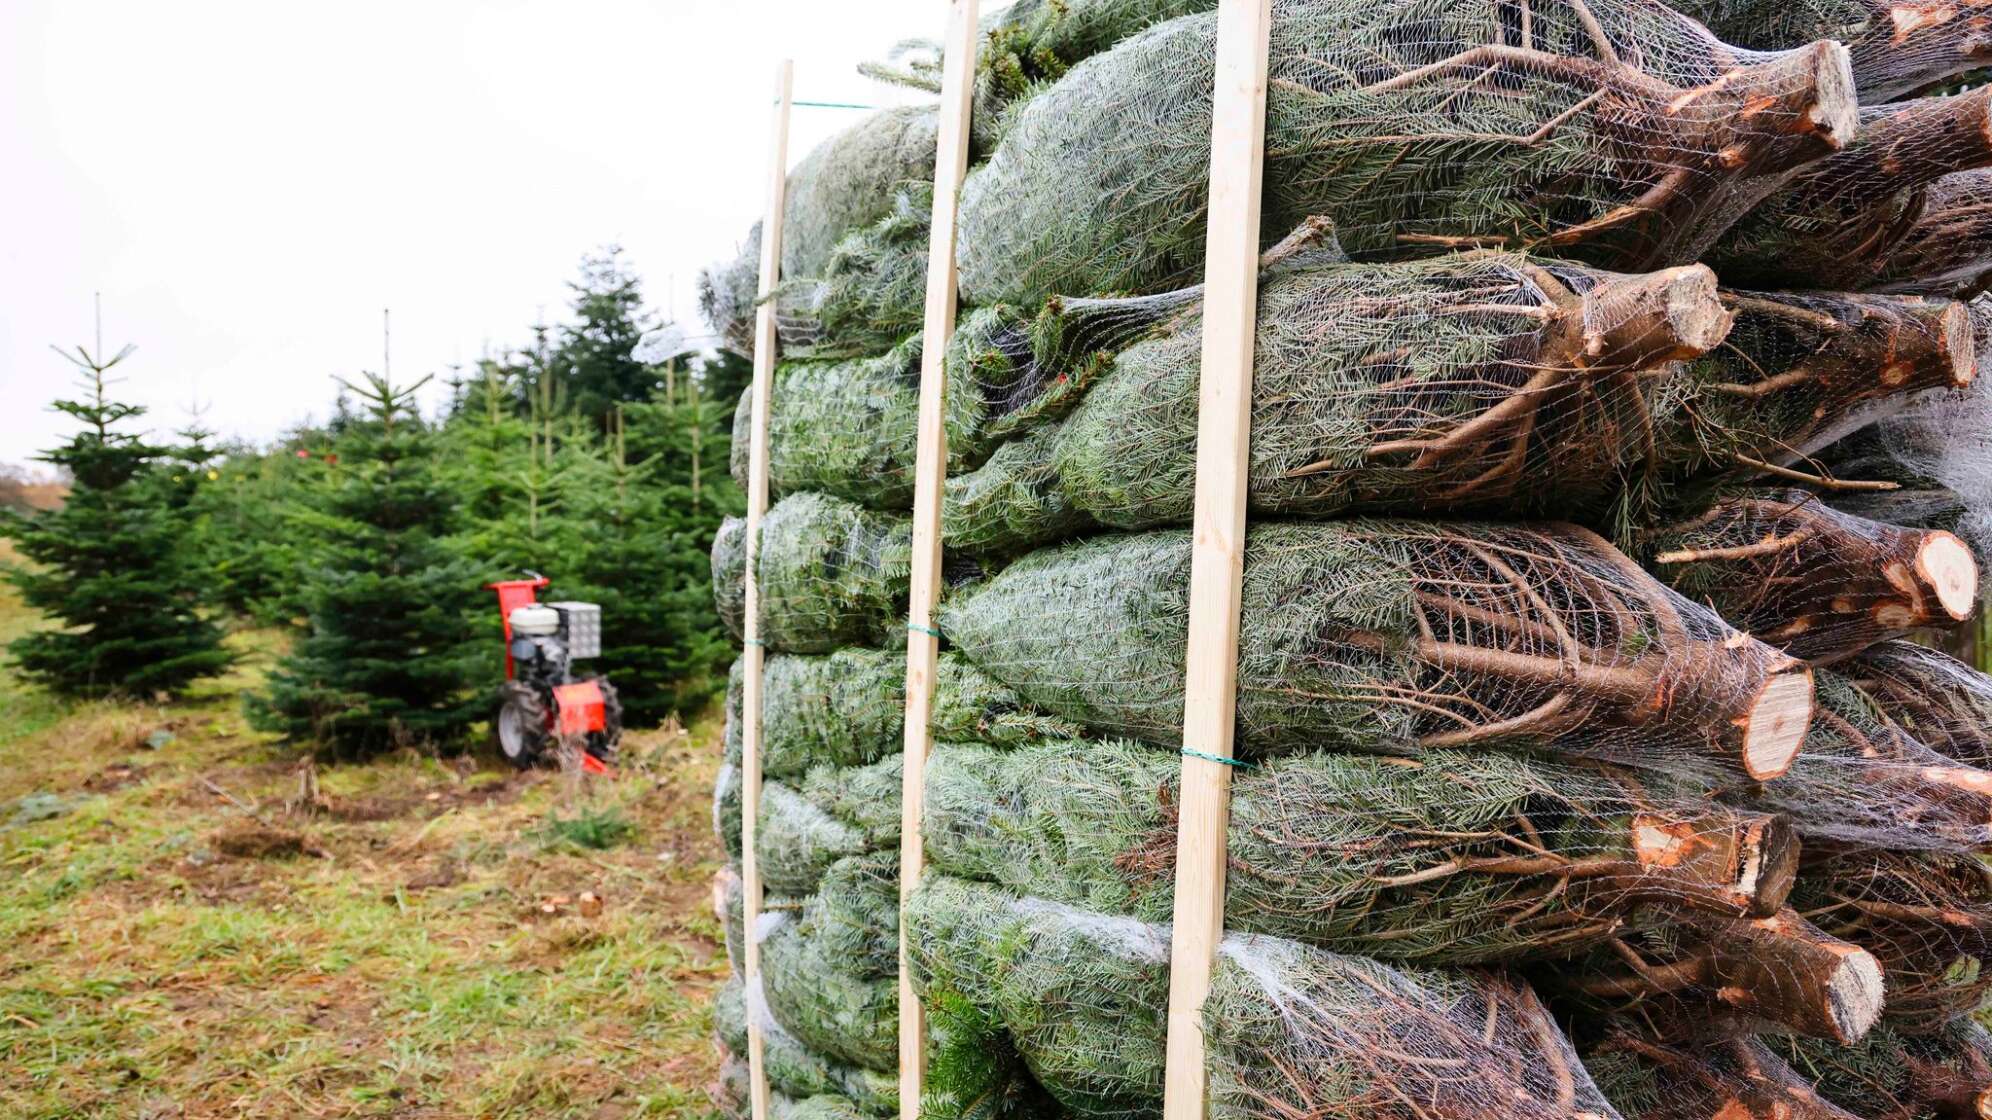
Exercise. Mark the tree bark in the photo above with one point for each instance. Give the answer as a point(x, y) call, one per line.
point(1899, 47)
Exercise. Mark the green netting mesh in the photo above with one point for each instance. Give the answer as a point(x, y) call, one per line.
point(1460, 858)
point(1616, 129)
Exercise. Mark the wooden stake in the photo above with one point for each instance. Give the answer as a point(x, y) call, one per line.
point(1217, 564)
point(755, 655)
point(930, 472)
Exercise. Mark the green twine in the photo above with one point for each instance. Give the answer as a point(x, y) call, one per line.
point(1237, 762)
point(919, 629)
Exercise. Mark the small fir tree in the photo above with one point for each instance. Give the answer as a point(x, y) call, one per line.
point(594, 360)
point(112, 566)
point(648, 557)
point(390, 659)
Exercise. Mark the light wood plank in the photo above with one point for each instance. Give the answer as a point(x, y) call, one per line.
point(754, 657)
point(1224, 425)
point(930, 472)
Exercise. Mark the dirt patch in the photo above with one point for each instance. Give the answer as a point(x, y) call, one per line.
point(116, 776)
point(256, 840)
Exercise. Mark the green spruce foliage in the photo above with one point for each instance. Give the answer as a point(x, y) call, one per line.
point(595, 365)
point(108, 566)
point(389, 659)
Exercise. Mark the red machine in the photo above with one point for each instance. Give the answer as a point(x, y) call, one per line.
point(541, 700)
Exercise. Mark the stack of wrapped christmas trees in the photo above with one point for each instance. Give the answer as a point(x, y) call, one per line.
point(1605, 465)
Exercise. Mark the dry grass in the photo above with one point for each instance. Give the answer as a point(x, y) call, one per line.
point(186, 938)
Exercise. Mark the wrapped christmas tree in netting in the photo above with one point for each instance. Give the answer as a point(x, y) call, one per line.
point(831, 972)
point(843, 185)
point(831, 814)
point(1947, 249)
point(1459, 858)
point(1943, 702)
point(1724, 976)
point(1481, 382)
point(1815, 582)
point(1618, 131)
point(1898, 46)
point(1945, 1075)
point(1926, 917)
point(1395, 637)
point(1650, 1074)
point(1486, 383)
point(831, 574)
point(849, 708)
point(844, 428)
point(793, 1069)
point(1839, 222)
point(1291, 1030)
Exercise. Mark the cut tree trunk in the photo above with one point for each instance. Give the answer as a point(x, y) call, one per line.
point(1838, 222)
point(1899, 47)
point(1927, 917)
point(1396, 637)
point(1861, 779)
point(1942, 701)
point(1779, 970)
point(1460, 858)
point(1809, 369)
point(1657, 1074)
point(1819, 584)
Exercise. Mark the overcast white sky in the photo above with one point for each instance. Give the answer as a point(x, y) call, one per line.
point(249, 182)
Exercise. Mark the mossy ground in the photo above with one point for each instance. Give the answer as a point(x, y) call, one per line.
point(183, 938)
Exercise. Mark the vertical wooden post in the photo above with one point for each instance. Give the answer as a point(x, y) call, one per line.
point(754, 656)
point(1224, 429)
point(929, 473)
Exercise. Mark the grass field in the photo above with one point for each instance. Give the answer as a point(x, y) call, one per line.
point(186, 936)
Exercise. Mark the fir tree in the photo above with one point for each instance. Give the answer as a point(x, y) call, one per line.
point(649, 531)
point(594, 359)
point(389, 659)
point(111, 564)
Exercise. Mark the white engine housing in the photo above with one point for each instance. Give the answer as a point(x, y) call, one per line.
point(535, 621)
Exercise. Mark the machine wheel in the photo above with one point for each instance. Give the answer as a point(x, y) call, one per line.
point(602, 744)
point(522, 726)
